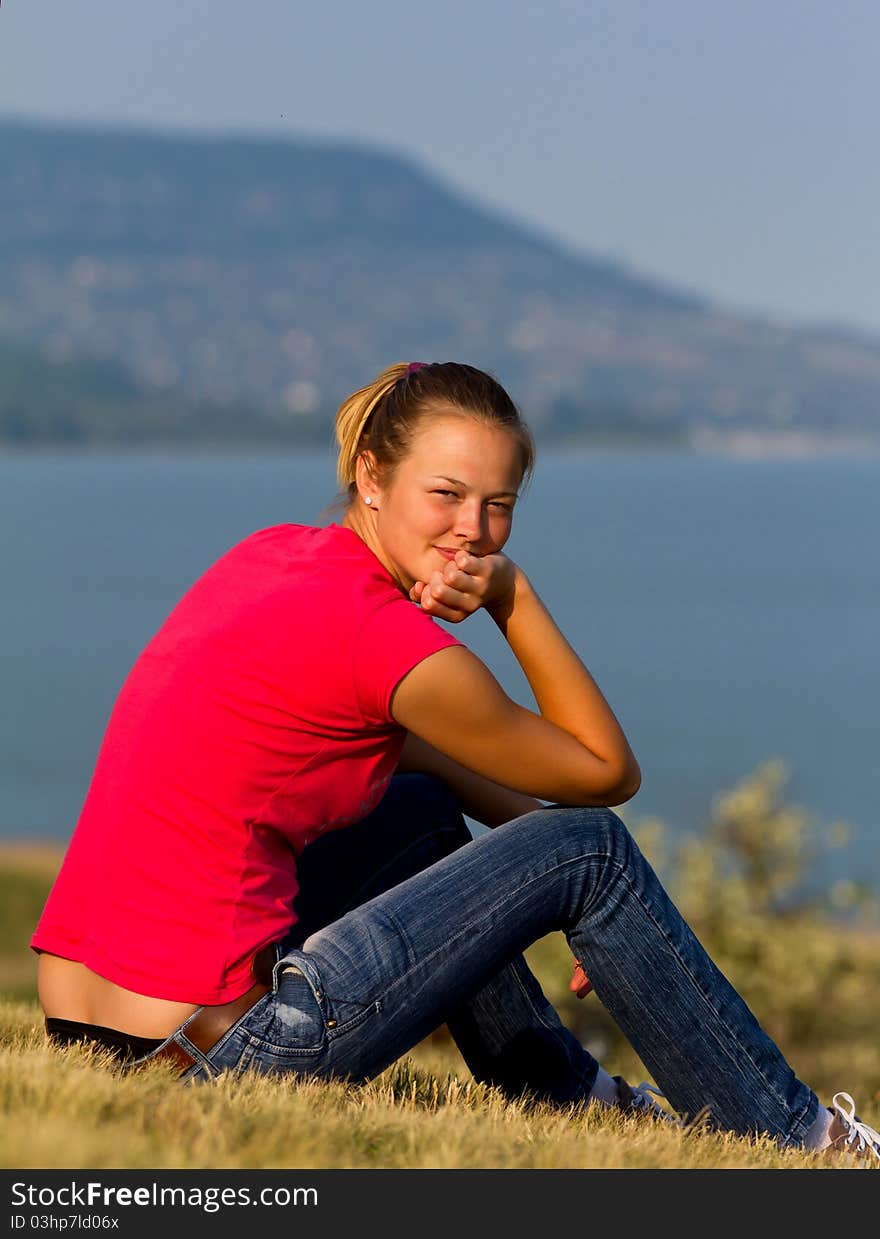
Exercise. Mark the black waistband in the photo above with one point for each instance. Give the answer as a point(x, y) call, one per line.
point(124, 1045)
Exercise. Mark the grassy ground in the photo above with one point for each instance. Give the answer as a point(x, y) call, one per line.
point(71, 1108)
point(813, 983)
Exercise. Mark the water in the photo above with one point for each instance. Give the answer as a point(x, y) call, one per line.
point(728, 609)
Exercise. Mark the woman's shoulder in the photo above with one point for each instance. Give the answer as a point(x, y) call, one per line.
point(307, 539)
point(291, 545)
point(330, 564)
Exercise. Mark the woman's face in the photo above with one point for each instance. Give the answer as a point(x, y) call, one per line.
point(456, 488)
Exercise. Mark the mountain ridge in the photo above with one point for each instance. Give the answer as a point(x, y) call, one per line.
point(209, 156)
point(279, 273)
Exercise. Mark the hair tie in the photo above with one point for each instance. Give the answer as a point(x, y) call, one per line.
point(413, 366)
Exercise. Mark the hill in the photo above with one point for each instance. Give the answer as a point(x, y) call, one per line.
point(276, 274)
point(84, 403)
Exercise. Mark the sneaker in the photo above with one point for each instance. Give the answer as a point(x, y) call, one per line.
point(848, 1134)
point(638, 1100)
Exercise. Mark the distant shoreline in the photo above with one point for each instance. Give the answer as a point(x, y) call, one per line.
point(782, 445)
point(735, 444)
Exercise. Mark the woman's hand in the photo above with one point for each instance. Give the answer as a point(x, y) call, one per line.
point(580, 984)
point(467, 583)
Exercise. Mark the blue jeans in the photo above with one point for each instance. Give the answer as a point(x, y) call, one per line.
point(406, 924)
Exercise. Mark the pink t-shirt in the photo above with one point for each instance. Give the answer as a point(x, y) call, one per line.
point(256, 718)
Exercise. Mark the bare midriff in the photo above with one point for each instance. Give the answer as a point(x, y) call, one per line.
point(70, 991)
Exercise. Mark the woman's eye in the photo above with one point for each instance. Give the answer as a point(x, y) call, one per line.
point(499, 507)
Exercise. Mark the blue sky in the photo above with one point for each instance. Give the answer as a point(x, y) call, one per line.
point(730, 148)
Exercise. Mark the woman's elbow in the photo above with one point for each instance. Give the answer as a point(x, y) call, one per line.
point(611, 787)
point(631, 786)
point(626, 784)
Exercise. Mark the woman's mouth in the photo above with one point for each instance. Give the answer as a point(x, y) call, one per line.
point(446, 552)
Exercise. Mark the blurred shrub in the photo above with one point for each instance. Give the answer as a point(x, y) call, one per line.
point(25, 877)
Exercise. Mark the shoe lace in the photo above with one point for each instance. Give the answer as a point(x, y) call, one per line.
point(868, 1140)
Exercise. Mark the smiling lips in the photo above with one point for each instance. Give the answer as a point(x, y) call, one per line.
point(448, 552)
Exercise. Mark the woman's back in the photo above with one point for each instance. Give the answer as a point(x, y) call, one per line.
point(256, 719)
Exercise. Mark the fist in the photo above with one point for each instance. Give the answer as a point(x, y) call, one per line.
point(580, 984)
point(465, 584)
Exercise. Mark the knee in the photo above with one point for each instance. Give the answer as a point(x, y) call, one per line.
point(594, 827)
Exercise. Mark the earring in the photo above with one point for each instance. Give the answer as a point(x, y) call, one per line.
point(368, 499)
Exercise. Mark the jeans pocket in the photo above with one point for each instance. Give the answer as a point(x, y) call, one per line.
point(290, 1026)
point(346, 1014)
point(341, 1012)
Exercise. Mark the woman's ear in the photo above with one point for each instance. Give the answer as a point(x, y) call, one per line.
point(366, 476)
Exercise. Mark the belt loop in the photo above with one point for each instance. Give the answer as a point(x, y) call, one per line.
point(276, 967)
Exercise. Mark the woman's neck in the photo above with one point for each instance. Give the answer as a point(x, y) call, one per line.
point(364, 525)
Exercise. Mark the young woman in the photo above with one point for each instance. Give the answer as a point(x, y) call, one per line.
point(271, 869)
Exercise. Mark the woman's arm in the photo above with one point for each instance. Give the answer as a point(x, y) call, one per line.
point(565, 691)
point(573, 752)
point(480, 798)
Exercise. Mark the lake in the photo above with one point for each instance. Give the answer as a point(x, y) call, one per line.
point(729, 609)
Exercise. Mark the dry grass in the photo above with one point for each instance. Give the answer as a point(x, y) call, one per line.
point(72, 1108)
point(813, 983)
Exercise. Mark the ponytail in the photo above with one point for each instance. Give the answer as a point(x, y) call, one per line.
point(353, 415)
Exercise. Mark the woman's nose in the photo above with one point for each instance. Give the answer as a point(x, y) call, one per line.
point(469, 525)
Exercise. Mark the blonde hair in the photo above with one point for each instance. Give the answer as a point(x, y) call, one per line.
point(384, 416)
point(352, 415)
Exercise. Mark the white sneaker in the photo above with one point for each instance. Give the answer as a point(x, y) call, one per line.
point(848, 1134)
point(638, 1100)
